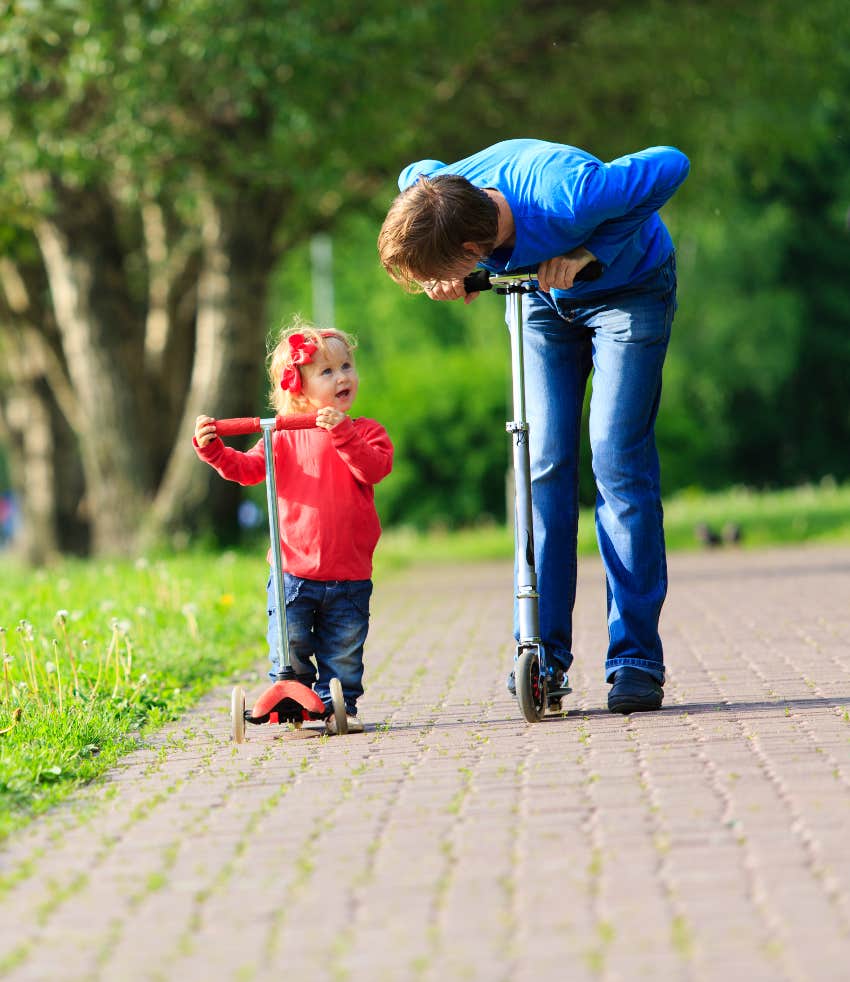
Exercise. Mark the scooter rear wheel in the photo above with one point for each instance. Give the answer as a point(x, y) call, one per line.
point(237, 714)
point(338, 701)
point(530, 686)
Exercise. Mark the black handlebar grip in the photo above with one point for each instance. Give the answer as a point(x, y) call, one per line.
point(592, 271)
point(477, 281)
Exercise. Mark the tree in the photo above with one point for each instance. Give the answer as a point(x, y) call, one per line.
point(163, 156)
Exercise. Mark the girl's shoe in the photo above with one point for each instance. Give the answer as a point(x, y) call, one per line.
point(355, 725)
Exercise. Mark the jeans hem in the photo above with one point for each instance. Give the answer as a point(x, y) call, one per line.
point(654, 669)
point(558, 657)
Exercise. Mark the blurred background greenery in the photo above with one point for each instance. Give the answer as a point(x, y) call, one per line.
point(169, 170)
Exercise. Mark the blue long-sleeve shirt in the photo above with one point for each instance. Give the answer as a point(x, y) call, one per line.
point(562, 197)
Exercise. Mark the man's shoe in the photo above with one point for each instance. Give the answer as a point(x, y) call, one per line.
point(634, 691)
point(561, 684)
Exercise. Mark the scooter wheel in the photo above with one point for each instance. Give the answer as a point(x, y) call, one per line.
point(530, 686)
point(338, 702)
point(237, 714)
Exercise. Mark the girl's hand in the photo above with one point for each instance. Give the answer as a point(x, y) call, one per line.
point(560, 272)
point(328, 417)
point(204, 430)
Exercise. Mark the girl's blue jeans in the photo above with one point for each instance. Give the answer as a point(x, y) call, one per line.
point(623, 339)
point(327, 623)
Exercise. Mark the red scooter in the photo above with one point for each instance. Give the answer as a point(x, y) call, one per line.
point(287, 700)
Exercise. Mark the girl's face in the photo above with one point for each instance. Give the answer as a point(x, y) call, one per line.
point(330, 379)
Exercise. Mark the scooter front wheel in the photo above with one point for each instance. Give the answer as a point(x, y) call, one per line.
point(237, 714)
point(338, 702)
point(530, 686)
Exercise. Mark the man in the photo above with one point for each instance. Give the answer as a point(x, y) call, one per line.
point(527, 203)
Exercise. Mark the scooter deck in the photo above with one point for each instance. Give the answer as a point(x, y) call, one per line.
point(296, 691)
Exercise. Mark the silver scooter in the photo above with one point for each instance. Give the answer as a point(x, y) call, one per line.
point(538, 684)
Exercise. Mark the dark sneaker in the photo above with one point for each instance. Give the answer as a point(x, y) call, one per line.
point(634, 691)
point(561, 684)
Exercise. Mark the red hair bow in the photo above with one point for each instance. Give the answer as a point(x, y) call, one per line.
point(301, 352)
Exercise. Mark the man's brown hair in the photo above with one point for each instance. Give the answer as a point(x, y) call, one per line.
point(423, 235)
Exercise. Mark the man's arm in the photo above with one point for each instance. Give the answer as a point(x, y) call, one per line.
point(631, 187)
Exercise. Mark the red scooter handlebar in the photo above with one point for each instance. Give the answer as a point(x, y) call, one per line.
point(251, 424)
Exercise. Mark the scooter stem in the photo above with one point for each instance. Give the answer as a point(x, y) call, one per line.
point(528, 611)
point(268, 427)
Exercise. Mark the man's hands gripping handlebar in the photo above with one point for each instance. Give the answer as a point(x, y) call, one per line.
point(558, 273)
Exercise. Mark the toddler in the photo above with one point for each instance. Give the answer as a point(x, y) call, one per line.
point(328, 523)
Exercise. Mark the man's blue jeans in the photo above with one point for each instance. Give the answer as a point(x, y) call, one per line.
point(326, 621)
point(623, 338)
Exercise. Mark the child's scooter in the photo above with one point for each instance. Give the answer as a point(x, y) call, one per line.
point(287, 700)
point(537, 684)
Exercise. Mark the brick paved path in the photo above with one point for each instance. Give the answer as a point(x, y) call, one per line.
point(454, 842)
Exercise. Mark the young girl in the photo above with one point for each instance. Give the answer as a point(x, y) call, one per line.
point(328, 524)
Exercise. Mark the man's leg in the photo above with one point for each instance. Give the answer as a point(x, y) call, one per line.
point(629, 346)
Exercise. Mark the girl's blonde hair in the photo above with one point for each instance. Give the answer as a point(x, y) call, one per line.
point(280, 361)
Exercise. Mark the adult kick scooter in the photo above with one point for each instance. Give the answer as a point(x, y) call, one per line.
point(537, 685)
point(287, 700)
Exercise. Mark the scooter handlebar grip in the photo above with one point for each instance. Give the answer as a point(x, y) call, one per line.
point(592, 271)
point(296, 421)
point(238, 426)
point(477, 281)
point(242, 425)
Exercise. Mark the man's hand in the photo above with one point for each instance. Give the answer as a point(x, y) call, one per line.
point(559, 273)
point(328, 417)
point(448, 290)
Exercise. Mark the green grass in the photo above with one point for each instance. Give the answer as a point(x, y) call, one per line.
point(95, 655)
point(806, 514)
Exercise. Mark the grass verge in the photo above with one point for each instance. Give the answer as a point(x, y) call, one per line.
point(96, 654)
point(806, 514)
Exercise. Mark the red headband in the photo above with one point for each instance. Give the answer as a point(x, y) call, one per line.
point(301, 352)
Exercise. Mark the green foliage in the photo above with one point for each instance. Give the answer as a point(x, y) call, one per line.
point(250, 95)
point(450, 456)
point(321, 106)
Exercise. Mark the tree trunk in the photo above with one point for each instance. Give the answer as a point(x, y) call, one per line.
point(230, 332)
point(27, 425)
point(36, 403)
point(101, 340)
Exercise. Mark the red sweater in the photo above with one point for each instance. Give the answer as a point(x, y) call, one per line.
point(325, 492)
